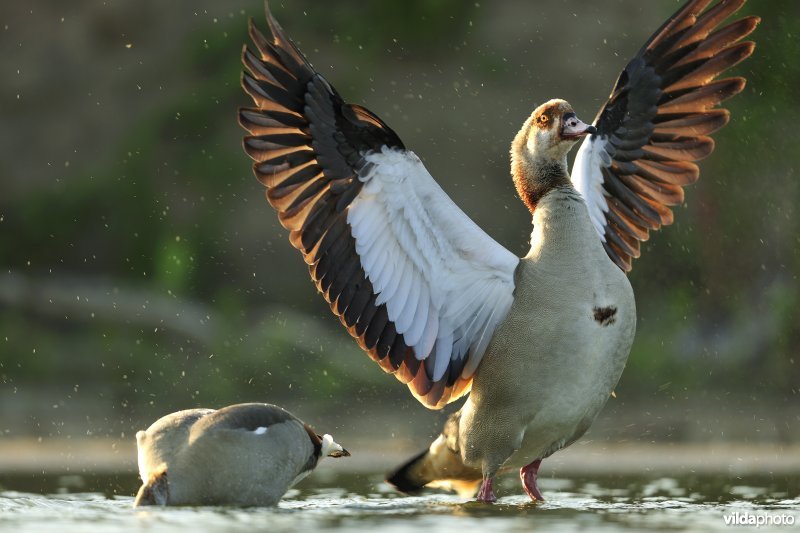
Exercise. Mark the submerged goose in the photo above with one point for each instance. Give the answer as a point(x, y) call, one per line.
point(247, 454)
point(540, 341)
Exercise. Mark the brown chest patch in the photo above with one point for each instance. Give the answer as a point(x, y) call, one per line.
point(605, 316)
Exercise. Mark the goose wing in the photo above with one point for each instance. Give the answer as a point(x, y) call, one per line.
point(657, 123)
point(243, 416)
point(418, 284)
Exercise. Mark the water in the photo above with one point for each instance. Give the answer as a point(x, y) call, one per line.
point(365, 503)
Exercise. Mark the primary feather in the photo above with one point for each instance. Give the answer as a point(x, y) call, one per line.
point(385, 244)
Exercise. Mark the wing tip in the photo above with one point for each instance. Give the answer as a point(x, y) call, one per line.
point(691, 9)
point(755, 19)
point(252, 29)
point(243, 122)
point(738, 83)
point(749, 47)
point(272, 23)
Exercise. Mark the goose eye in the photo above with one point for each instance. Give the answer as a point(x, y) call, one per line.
point(542, 121)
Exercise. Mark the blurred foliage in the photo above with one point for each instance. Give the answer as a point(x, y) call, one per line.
point(169, 208)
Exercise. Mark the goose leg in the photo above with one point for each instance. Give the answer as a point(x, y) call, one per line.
point(528, 475)
point(485, 493)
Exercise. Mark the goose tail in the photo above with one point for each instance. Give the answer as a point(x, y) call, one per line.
point(440, 466)
point(413, 475)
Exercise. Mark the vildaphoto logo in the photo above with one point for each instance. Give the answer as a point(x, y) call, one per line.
point(758, 519)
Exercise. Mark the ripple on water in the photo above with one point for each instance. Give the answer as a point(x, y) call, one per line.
point(366, 503)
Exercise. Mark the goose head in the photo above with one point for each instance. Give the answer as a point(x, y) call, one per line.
point(552, 130)
point(155, 491)
point(539, 151)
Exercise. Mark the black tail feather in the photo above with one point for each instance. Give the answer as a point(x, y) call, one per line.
point(407, 478)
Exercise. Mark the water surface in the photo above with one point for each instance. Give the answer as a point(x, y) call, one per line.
point(364, 502)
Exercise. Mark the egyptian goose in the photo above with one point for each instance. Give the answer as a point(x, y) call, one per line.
point(248, 454)
point(540, 341)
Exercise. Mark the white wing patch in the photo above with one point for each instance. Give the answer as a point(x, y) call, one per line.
point(260, 431)
point(446, 284)
point(587, 177)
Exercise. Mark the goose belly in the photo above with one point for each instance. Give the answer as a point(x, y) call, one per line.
point(569, 398)
point(551, 366)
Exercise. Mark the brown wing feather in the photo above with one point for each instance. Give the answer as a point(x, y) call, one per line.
point(307, 145)
point(660, 114)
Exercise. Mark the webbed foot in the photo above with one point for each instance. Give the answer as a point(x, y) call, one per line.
point(485, 492)
point(528, 475)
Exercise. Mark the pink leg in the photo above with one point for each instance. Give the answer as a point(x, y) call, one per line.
point(528, 476)
point(485, 493)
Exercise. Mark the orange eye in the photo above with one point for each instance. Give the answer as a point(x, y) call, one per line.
point(542, 120)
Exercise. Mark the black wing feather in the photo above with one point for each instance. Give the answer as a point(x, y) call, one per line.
point(308, 146)
point(659, 115)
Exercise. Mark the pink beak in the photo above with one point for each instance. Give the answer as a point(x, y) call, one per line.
point(575, 128)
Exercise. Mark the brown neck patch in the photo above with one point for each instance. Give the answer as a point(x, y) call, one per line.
point(535, 176)
point(533, 182)
point(316, 441)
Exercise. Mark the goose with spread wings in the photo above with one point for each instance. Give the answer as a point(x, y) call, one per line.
point(538, 342)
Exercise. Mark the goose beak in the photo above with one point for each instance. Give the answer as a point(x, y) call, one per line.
point(154, 492)
point(575, 128)
point(331, 448)
point(339, 453)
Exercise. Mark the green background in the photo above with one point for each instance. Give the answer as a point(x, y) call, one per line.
point(142, 271)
